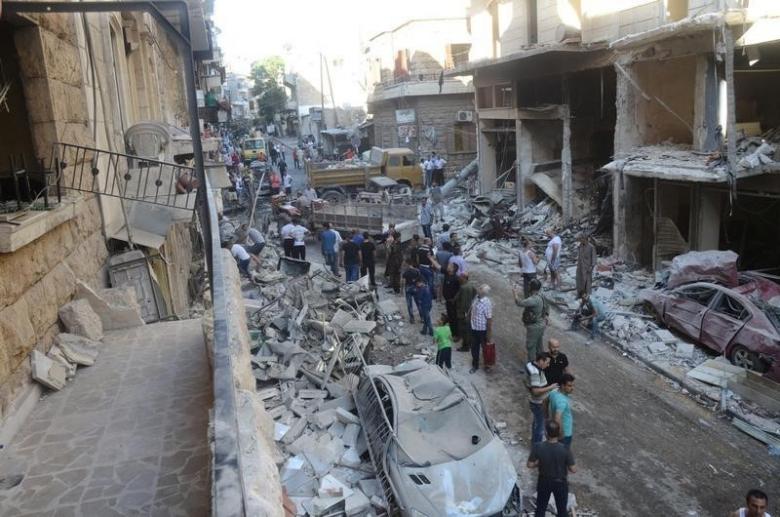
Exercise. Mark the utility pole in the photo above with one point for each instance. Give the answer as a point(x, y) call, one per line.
point(332, 98)
point(322, 99)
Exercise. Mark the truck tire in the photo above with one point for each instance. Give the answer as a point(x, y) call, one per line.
point(334, 196)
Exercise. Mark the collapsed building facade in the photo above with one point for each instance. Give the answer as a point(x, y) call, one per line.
point(657, 108)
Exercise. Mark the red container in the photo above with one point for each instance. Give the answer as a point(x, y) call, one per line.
point(489, 353)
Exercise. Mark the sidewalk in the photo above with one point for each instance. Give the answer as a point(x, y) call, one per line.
point(127, 436)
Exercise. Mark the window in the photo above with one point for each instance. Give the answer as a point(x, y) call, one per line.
point(464, 137)
point(730, 307)
point(503, 95)
point(700, 295)
point(485, 97)
point(408, 159)
point(533, 31)
point(394, 161)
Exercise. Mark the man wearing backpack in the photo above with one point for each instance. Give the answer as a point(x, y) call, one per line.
point(534, 317)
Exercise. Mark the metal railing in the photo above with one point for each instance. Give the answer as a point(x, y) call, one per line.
point(25, 192)
point(87, 169)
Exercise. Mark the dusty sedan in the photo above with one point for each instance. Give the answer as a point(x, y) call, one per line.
point(435, 450)
point(744, 329)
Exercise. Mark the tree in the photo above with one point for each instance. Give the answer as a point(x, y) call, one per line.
point(272, 97)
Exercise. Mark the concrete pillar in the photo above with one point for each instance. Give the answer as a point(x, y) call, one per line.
point(708, 220)
point(487, 160)
point(705, 109)
point(525, 159)
point(567, 191)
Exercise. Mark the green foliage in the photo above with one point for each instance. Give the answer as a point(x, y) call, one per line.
point(272, 97)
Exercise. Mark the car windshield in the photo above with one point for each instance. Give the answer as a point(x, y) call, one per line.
point(255, 144)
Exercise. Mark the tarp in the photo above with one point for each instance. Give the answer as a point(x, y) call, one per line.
point(704, 266)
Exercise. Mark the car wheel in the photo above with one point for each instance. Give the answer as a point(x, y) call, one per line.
point(744, 358)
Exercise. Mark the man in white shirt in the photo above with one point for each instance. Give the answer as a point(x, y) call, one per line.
point(536, 382)
point(553, 256)
point(528, 262)
point(242, 258)
point(756, 503)
point(438, 169)
point(287, 238)
point(298, 233)
point(288, 181)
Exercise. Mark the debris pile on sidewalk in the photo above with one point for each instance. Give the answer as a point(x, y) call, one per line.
point(307, 330)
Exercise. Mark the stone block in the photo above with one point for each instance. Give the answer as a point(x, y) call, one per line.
point(48, 372)
point(332, 487)
point(356, 504)
point(62, 59)
point(665, 336)
point(79, 318)
point(78, 349)
point(657, 347)
point(56, 354)
point(117, 307)
point(351, 432)
point(684, 350)
point(17, 334)
point(350, 458)
point(346, 417)
point(295, 431)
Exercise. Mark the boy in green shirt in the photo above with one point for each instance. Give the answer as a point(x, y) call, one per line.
point(442, 336)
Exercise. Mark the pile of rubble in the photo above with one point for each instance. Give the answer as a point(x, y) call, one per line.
point(311, 334)
point(85, 319)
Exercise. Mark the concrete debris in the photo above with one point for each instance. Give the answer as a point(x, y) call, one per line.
point(56, 354)
point(79, 318)
point(48, 372)
point(77, 349)
point(683, 350)
point(117, 307)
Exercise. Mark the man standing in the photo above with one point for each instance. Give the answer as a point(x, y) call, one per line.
point(449, 291)
point(443, 254)
point(367, 263)
point(553, 255)
point(411, 276)
point(287, 238)
point(350, 258)
point(424, 305)
point(296, 158)
point(444, 236)
point(559, 363)
point(438, 170)
point(328, 241)
point(535, 314)
point(283, 170)
point(458, 260)
point(528, 262)
point(429, 164)
point(756, 503)
point(536, 382)
point(560, 408)
point(395, 258)
point(426, 218)
point(288, 182)
point(426, 265)
point(437, 202)
point(481, 321)
point(586, 262)
point(298, 233)
point(555, 462)
point(463, 301)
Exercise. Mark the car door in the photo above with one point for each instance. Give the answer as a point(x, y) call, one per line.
point(686, 307)
point(721, 323)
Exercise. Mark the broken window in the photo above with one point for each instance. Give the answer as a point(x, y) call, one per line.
point(700, 295)
point(731, 308)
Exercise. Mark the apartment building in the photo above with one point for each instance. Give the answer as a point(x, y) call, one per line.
point(412, 103)
point(651, 103)
point(80, 93)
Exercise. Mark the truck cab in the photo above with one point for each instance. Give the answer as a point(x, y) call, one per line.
point(400, 164)
point(253, 149)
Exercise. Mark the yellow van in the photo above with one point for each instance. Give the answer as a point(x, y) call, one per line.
point(253, 149)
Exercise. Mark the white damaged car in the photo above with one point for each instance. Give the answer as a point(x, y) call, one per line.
point(435, 449)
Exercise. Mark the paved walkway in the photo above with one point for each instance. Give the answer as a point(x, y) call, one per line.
point(127, 436)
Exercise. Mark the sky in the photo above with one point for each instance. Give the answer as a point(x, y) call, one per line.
point(253, 29)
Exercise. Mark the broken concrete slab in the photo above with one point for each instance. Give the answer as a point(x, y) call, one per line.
point(684, 350)
point(341, 318)
point(298, 478)
point(657, 347)
point(360, 326)
point(324, 453)
point(321, 506)
point(346, 402)
point(268, 393)
point(312, 394)
point(56, 354)
point(280, 430)
point(356, 504)
point(79, 318)
point(665, 336)
point(295, 431)
point(370, 487)
point(350, 435)
point(48, 372)
point(332, 487)
point(350, 458)
point(387, 307)
point(345, 416)
point(117, 307)
point(78, 349)
point(323, 419)
point(336, 429)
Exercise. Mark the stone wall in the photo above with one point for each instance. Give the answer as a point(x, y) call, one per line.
point(436, 124)
point(34, 282)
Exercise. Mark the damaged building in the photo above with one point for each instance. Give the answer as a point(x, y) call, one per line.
point(412, 103)
point(628, 109)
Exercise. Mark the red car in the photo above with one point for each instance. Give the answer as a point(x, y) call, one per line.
point(744, 329)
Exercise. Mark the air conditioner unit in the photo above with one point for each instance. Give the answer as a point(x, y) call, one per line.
point(465, 116)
